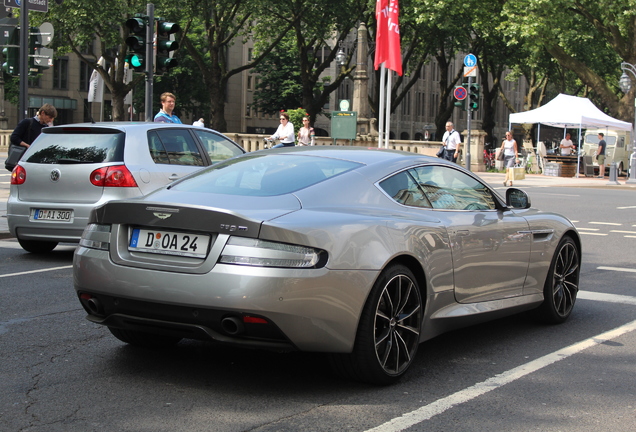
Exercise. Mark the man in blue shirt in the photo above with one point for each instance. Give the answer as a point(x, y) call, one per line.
point(165, 115)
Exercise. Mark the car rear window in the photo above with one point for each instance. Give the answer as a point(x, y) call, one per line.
point(264, 174)
point(78, 145)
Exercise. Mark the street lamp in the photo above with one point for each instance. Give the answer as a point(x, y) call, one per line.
point(341, 57)
point(626, 84)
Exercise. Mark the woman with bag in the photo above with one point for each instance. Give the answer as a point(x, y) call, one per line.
point(511, 156)
point(26, 132)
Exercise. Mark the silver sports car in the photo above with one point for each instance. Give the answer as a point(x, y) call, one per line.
point(361, 253)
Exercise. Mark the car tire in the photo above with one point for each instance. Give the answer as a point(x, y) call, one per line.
point(37, 246)
point(142, 339)
point(561, 285)
point(389, 330)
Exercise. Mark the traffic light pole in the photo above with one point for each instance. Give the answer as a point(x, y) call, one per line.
point(470, 115)
point(23, 104)
point(150, 33)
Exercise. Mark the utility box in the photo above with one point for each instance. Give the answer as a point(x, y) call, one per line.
point(344, 124)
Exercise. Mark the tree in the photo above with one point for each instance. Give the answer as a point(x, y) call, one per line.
point(79, 23)
point(589, 38)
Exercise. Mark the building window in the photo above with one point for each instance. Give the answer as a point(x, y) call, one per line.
point(249, 82)
point(85, 76)
point(60, 74)
point(248, 111)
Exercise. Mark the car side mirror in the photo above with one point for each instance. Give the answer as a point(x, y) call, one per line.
point(516, 198)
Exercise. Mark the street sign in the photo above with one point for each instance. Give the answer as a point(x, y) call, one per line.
point(46, 33)
point(470, 71)
point(34, 5)
point(470, 60)
point(460, 93)
point(43, 57)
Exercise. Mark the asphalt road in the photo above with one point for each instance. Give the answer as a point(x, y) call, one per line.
point(58, 372)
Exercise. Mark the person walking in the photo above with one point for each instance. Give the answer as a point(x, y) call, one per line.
point(306, 134)
point(511, 156)
point(452, 143)
point(285, 132)
point(165, 114)
point(600, 155)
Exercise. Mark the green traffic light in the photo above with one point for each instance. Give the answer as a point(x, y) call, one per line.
point(136, 61)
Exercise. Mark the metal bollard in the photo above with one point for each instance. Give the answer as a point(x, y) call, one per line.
point(632, 169)
point(613, 177)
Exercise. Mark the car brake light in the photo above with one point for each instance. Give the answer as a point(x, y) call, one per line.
point(113, 176)
point(18, 175)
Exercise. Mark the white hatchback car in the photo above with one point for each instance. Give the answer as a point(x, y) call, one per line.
point(71, 169)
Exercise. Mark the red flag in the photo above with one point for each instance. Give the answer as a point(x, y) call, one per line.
point(387, 41)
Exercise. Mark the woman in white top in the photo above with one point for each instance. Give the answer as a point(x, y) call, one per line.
point(306, 133)
point(285, 132)
point(511, 156)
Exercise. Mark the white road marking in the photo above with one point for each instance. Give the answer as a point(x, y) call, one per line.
point(36, 271)
point(619, 269)
point(587, 229)
point(441, 405)
point(624, 232)
point(588, 233)
point(606, 223)
point(627, 207)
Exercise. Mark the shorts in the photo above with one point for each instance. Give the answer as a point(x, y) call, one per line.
point(601, 159)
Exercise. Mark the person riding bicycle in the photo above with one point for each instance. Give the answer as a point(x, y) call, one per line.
point(285, 132)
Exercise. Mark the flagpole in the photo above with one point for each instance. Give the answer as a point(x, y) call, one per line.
point(381, 106)
point(388, 109)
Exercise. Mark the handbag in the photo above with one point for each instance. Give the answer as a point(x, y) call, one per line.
point(14, 156)
point(440, 152)
point(517, 173)
point(501, 155)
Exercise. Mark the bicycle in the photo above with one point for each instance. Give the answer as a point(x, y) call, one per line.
point(489, 159)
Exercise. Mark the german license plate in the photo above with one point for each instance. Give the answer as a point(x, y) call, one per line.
point(169, 243)
point(51, 215)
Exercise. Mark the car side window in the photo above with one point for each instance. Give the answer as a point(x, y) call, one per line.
point(174, 147)
point(450, 189)
point(403, 189)
point(218, 147)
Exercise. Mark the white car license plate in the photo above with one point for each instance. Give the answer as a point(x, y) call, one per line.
point(51, 215)
point(169, 243)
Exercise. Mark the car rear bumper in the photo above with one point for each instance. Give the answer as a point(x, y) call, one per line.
point(308, 309)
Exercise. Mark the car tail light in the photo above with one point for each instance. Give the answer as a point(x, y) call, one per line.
point(18, 175)
point(264, 253)
point(113, 176)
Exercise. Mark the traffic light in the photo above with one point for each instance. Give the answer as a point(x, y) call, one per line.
point(165, 45)
point(136, 42)
point(461, 95)
point(474, 97)
point(11, 54)
point(34, 44)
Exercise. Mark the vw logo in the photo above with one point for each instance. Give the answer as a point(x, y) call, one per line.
point(55, 175)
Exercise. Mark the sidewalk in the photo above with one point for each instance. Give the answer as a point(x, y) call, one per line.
point(494, 179)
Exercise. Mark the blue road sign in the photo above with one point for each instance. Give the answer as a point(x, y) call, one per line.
point(470, 60)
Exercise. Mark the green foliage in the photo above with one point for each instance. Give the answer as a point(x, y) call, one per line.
point(296, 117)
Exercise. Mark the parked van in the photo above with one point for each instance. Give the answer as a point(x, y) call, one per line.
point(619, 148)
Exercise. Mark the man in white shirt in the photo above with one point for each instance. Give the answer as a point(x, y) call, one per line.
point(566, 145)
point(452, 143)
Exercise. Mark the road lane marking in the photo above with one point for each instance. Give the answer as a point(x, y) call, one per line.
point(610, 298)
point(588, 229)
point(441, 405)
point(619, 269)
point(627, 207)
point(606, 223)
point(588, 233)
point(36, 271)
point(624, 232)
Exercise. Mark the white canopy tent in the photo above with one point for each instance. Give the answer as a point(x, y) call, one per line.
point(569, 112)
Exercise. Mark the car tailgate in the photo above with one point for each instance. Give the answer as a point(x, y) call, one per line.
point(59, 183)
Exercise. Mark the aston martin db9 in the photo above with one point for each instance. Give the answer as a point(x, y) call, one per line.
point(359, 253)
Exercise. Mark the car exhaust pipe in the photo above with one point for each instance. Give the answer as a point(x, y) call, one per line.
point(233, 326)
point(94, 306)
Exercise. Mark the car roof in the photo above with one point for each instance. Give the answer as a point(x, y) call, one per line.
point(364, 155)
point(127, 125)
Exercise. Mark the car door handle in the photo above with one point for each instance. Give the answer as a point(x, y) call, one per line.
point(462, 232)
point(174, 177)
